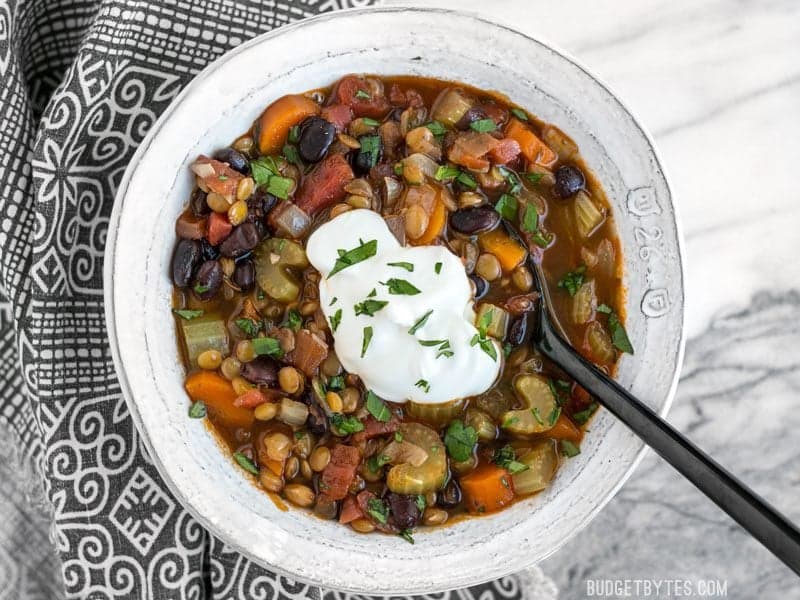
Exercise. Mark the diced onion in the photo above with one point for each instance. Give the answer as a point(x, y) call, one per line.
point(588, 217)
point(292, 412)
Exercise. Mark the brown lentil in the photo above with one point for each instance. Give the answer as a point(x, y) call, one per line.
point(230, 367)
point(245, 351)
point(488, 267)
point(299, 494)
point(434, 516)
point(266, 411)
point(334, 401)
point(209, 360)
point(278, 445)
point(237, 213)
point(290, 380)
point(522, 278)
point(217, 202)
point(319, 458)
point(363, 525)
point(270, 481)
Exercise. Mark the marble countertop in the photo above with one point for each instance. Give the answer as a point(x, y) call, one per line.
point(717, 83)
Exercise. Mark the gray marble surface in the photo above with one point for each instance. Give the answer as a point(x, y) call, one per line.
point(718, 85)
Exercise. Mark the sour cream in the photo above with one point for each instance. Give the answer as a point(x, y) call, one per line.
point(399, 353)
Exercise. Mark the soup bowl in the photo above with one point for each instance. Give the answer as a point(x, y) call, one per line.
point(221, 103)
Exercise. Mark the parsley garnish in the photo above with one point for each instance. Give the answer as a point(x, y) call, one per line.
point(403, 265)
point(582, 416)
point(619, 337)
point(534, 178)
point(200, 289)
point(294, 134)
point(356, 255)
point(369, 122)
point(336, 319)
point(483, 125)
point(537, 415)
point(333, 301)
point(249, 326)
point(530, 220)
point(519, 113)
point(293, 320)
point(346, 425)
point(480, 338)
point(423, 385)
point(371, 146)
point(245, 463)
point(420, 322)
point(466, 180)
point(507, 207)
point(569, 449)
point(406, 535)
point(267, 345)
point(429, 343)
point(197, 410)
point(291, 155)
point(188, 315)
point(506, 458)
point(437, 128)
point(446, 172)
point(222, 177)
point(377, 509)
point(336, 383)
point(605, 308)
point(376, 462)
point(265, 171)
point(362, 95)
point(460, 440)
point(573, 280)
point(515, 185)
point(280, 186)
point(400, 287)
point(420, 502)
point(398, 437)
point(367, 339)
point(377, 407)
point(373, 293)
point(437, 268)
point(369, 307)
point(398, 168)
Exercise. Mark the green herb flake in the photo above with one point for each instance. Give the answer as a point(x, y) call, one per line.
point(293, 320)
point(483, 125)
point(333, 301)
point(378, 510)
point(336, 383)
point(419, 500)
point(530, 220)
point(367, 339)
point(534, 178)
point(186, 314)
point(543, 240)
point(398, 437)
point(507, 206)
point(406, 535)
point(403, 265)
point(400, 287)
point(200, 289)
point(197, 410)
point(369, 307)
point(520, 114)
point(370, 122)
point(420, 322)
point(554, 414)
point(294, 134)
point(222, 177)
point(537, 415)
point(398, 168)
point(436, 128)
point(373, 293)
point(291, 155)
point(460, 440)
point(619, 337)
point(573, 280)
point(514, 184)
point(248, 326)
point(437, 268)
point(506, 458)
point(507, 349)
point(358, 254)
point(569, 449)
point(423, 385)
point(336, 319)
point(363, 95)
point(582, 416)
point(446, 173)
point(377, 407)
point(244, 462)
point(346, 425)
point(263, 169)
point(279, 186)
point(605, 309)
point(371, 146)
point(467, 181)
point(268, 346)
point(431, 343)
point(485, 321)
point(374, 463)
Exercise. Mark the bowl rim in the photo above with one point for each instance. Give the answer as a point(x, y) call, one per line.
point(213, 66)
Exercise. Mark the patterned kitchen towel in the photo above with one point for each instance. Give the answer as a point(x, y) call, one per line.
point(85, 514)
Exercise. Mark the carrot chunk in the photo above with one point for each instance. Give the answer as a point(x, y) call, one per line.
point(487, 488)
point(507, 250)
point(532, 148)
point(435, 224)
point(564, 429)
point(279, 117)
point(219, 396)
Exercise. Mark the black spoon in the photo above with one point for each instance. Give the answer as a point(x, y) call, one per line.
point(753, 513)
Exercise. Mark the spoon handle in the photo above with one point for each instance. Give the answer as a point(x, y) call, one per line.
point(753, 513)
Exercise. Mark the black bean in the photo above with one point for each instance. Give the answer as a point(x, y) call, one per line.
point(245, 274)
point(258, 205)
point(198, 204)
point(517, 331)
point(473, 114)
point(315, 137)
point(481, 287)
point(184, 261)
point(235, 159)
point(370, 152)
point(208, 280)
point(476, 219)
point(208, 251)
point(569, 180)
point(242, 239)
point(404, 510)
point(317, 422)
point(450, 496)
point(261, 370)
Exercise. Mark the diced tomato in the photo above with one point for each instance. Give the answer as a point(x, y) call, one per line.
point(219, 228)
point(250, 399)
point(350, 510)
point(217, 176)
point(506, 151)
point(339, 115)
point(324, 186)
point(340, 472)
point(355, 92)
point(374, 428)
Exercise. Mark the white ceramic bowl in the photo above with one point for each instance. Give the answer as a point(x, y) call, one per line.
point(220, 104)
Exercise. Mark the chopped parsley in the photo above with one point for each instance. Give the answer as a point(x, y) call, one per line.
point(265, 172)
point(197, 410)
point(371, 147)
point(369, 307)
point(403, 265)
point(573, 280)
point(420, 322)
point(560, 390)
point(515, 185)
point(481, 339)
point(280, 186)
point(460, 439)
point(186, 314)
point(419, 500)
point(534, 178)
point(346, 425)
point(398, 168)
point(537, 415)
point(362, 95)
point(336, 319)
point(291, 155)
point(619, 337)
point(400, 287)
point(369, 122)
point(519, 113)
point(506, 458)
point(293, 320)
point(554, 414)
point(507, 206)
point(367, 339)
point(373, 293)
point(333, 301)
point(569, 449)
point(437, 268)
point(429, 343)
point(605, 308)
point(348, 258)
point(244, 462)
point(398, 437)
point(530, 220)
point(378, 510)
point(446, 172)
point(483, 125)
point(249, 326)
point(294, 134)
point(336, 383)
point(406, 535)
point(267, 346)
point(582, 416)
point(436, 128)
point(200, 289)
point(374, 463)
point(377, 407)
point(423, 385)
point(466, 180)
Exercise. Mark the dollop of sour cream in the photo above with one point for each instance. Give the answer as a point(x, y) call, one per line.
point(402, 318)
